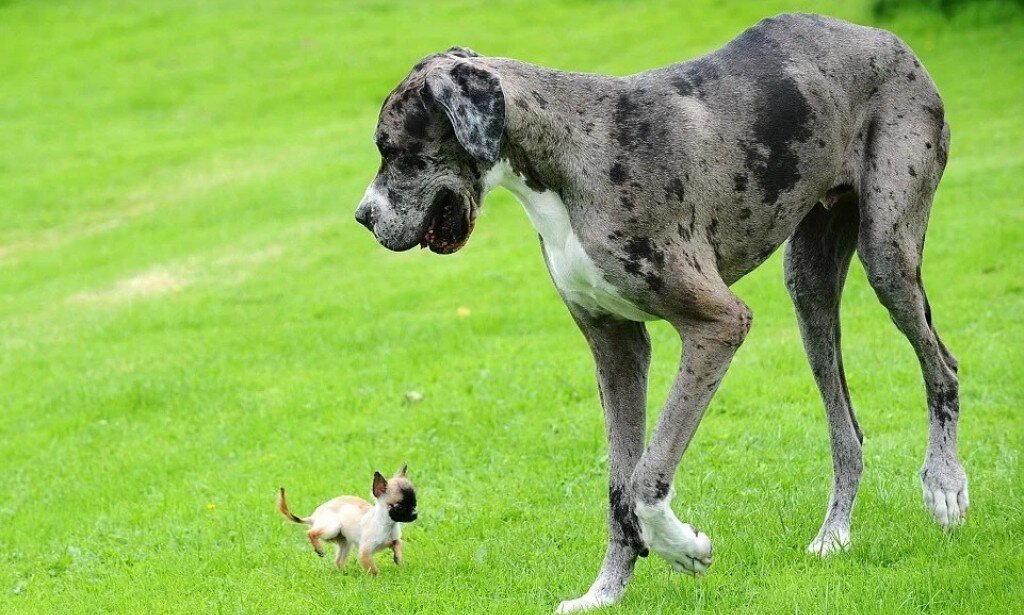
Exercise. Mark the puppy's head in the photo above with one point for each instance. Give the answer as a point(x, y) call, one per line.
point(438, 132)
point(397, 494)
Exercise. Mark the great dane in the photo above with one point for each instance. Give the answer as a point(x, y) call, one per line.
point(653, 193)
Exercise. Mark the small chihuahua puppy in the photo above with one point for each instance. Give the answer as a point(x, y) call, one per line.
point(351, 521)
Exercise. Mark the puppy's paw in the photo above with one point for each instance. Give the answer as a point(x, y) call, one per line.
point(686, 549)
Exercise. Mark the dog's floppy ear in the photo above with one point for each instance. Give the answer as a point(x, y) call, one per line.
point(379, 484)
point(405, 466)
point(472, 98)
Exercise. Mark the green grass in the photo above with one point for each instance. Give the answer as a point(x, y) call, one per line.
point(190, 318)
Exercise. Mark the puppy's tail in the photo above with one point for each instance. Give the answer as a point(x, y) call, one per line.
point(282, 506)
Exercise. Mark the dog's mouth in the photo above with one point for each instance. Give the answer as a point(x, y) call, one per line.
point(450, 225)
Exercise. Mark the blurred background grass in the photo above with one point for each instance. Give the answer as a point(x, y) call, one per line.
point(189, 319)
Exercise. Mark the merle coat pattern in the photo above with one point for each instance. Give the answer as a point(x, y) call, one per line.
point(653, 193)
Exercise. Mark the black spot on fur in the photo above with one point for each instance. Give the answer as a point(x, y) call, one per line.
point(936, 111)
point(740, 179)
point(627, 203)
point(661, 489)
point(624, 517)
point(745, 213)
point(644, 259)
point(675, 188)
point(618, 174)
point(770, 156)
point(946, 406)
point(543, 102)
point(910, 169)
point(911, 76)
point(631, 127)
point(690, 81)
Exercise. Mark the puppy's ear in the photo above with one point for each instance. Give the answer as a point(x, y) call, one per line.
point(380, 484)
point(472, 98)
point(405, 466)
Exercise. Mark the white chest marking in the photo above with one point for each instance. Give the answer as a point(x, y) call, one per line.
point(575, 274)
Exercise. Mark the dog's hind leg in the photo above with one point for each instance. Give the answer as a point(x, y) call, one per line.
point(906, 157)
point(622, 352)
point(314, 539)
point(817, 260)
point(344, 547)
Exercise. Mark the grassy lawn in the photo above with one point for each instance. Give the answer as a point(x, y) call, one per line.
point(190, 318)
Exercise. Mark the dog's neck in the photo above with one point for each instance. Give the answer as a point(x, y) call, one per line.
point(380, 517)
point(535, 109)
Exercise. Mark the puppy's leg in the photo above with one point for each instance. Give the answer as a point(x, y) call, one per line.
point(713, 323)
point(366, 560)
point(343, 548)
point(817, 259)
point(622, 352)
point(314, 539)
point(396, 546)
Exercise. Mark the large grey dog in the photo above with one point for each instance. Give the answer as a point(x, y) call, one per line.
point(653, 193)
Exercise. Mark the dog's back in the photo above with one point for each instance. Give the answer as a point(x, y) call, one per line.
point(340, 516)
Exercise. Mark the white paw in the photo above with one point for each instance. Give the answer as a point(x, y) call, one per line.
point(686, 550)
point(829, 542)
point(945, 494)
point(587, 602)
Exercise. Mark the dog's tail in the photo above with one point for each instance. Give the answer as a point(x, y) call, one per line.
point(282, 506)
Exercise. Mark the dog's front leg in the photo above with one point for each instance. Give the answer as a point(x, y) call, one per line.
point(709, 343)
point(366, 560)
point(622, 352)
point(396, 548)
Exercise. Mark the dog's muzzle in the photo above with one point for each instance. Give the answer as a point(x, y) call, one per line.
point(403, 516)
point(364, 215)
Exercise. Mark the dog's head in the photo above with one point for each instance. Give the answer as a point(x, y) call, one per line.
point(397, 494)
point(438, 132)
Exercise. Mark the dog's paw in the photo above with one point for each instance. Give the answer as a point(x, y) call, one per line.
point(587, 602)
point(686, 549)
point(829, 542)
point(945, 492)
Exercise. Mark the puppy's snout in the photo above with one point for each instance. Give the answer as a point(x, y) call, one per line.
point(365, 215)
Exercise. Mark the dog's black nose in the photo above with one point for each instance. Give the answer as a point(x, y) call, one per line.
point(364, 215)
